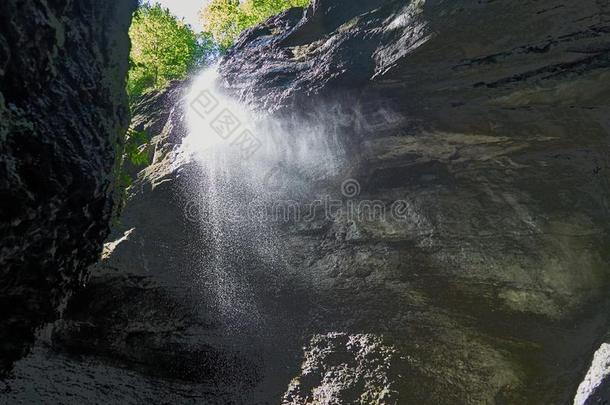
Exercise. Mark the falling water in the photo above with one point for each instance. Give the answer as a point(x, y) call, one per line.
point(247, 161)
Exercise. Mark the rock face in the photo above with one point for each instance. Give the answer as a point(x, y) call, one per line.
point(63, 113)
point(490, 121)
point(463, 258)
point(595, 389)
point(448, 58)
point(346, 369)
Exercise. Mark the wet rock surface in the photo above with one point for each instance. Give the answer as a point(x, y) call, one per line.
point(488, 283)
point(63, 112)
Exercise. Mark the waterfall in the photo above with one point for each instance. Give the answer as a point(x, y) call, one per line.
point(246, 163)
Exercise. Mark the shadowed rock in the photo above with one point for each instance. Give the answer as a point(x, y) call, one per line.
point(63, 113)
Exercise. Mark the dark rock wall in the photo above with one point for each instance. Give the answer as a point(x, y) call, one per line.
point(63, 113)
point(430, 54)
point(491, 119)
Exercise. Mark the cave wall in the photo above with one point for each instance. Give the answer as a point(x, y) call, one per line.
point(63, 113)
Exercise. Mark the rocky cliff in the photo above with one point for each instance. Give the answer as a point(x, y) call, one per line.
point(63, 114)
point(491, 120)
point(480, 127)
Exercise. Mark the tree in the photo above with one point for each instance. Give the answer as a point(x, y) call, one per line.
point(226, 19)
point(163, 48)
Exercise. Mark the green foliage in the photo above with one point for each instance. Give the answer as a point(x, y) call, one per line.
point(163, 48)
point(226, 19)
point(135, 156)
point(134, 152)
